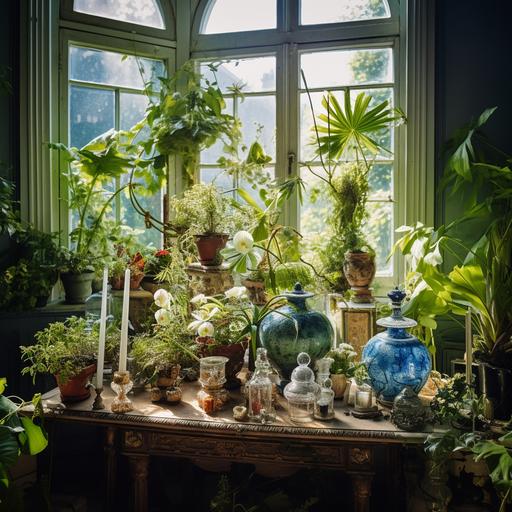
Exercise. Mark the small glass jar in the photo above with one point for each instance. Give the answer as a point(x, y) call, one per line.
point(323, 369)
point(324, 405)
point(212, 376)
point(302, 392)
point(259, 390)
point(363, 397)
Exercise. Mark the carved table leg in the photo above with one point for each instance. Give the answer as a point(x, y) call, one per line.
point(139, 471)
point(111, 466)
point(362, 488)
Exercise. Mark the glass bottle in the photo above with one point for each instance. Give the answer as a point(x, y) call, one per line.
point(259, 389)
point(324, 405)
point(323, 369)
point(212, 376)
point(302, 391)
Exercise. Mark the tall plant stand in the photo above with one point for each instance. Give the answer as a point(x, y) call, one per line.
point(209, 280)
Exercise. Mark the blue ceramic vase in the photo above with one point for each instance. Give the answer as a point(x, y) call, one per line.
point(293, 329)
point(395, 358)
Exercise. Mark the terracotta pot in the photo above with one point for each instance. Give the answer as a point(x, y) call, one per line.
point(135, 281)
point(74, 389)
point(235, 354)
point(256, 291)
point(339, 384)
point(117, 282)
point(209, 247)
point(359, 270)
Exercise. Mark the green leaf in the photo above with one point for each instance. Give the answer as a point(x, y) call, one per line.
point(3, 384)
point(9, 448)
point(36, 437)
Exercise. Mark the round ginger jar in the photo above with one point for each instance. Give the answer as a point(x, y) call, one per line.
point(294, 328)
point(395, 358)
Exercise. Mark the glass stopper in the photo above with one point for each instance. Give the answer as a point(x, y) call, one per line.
point(327, 383)
point(303, 359)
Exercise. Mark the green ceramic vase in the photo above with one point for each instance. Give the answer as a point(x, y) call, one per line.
point(293, 329)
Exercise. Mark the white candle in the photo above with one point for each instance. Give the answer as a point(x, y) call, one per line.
point(123, 349)
point(469, 348)
point(103, 330)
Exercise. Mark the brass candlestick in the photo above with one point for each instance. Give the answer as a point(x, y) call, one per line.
point(121, 384)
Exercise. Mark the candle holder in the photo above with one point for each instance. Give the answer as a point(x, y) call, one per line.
point(121, 385)
point(363, 404)
point(98, 400)
point(212, 375)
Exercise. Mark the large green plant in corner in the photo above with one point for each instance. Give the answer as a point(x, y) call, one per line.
point(346, 140)
point(481, 278)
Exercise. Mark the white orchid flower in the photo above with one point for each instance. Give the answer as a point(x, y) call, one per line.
point(204, 315)
point(200, 298)
point(237, 292)
point(243, 242)
point(163, 317)
point(418, 248)
point(206, 329)
point(434, 258)
point(162, 298)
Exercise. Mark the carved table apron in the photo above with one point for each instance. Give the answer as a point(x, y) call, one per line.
point(183, 430)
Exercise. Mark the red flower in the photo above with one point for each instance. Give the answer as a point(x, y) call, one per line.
point(161, 253)
point(138, 261)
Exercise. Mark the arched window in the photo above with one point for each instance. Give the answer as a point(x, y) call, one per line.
point(140, 12)
point(340, 45)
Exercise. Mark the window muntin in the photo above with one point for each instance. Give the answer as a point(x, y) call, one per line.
point(225, 16)
point(139, 12)
point(368, 66)
point(256, 111)
point(101, 99)
point(316, 12)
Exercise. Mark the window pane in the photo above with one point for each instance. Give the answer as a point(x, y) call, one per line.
point(379, 230)
point(141, 12)
point(239, 16)
point(337, 68)
point(380, 180)
point(132, 109)
point(91, 113)
point(258, 117)
point(257, 74)
point(219, 178)
point(337, 11)
point(211, 154)
point(112, 68)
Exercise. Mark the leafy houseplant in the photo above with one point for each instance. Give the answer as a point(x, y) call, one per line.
point(347, 146)
point(207, 215)
point(19, 434)
point(184, 123)
point(480, 279)
point(68, 351)
point(343, 367)
point(135, 263)
point(87, 171)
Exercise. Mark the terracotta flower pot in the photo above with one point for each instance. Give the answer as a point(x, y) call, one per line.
point(359, 270)
point(209, 247)
point(339, 384)
point(235, 354)
point(117, 282)
point(74, 389)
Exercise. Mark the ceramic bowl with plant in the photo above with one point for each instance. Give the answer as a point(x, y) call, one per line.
point(343, 367)
point(67, 350)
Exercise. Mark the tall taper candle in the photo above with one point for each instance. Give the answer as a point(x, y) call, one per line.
point(469, 347)
point(123, 349)
point(103, 330)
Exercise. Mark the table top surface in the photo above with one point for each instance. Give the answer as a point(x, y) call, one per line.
point(188, 416)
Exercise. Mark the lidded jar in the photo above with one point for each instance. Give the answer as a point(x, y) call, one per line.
point(294, 328)
point(259, 390)
point(302, 392)
point(324, 405)
point(212, 375)
point(395, 358)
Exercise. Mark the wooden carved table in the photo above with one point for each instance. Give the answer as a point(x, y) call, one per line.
point(183, 430)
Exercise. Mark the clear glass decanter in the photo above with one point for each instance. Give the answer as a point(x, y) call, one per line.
point(324, 405)
point(259, 390)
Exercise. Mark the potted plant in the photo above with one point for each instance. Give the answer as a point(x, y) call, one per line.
point(68, 351)
point(208, 216)
point(87, 172)
point(155, 263)
point(343, 367)
point(118, 266)
point(480, 277)
point(346, 140)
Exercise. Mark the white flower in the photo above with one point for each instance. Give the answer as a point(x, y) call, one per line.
point(237, 292)
point(200, 298)
point(206, 329)
point(163, 317)
point(162, 298)
point(434, 258)
point(418, 248)
point(243, 242)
